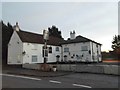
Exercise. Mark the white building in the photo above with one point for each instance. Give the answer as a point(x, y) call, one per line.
point(26, 47)
point(81, 49)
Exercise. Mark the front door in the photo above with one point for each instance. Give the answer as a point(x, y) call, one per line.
point(65, 58)
point(57, 58)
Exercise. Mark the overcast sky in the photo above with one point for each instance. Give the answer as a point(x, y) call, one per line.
point(95, 20)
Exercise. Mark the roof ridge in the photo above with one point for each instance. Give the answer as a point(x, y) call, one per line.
point(83, 37)
point(37, 34)
point(78, 39)
point(30, 32)
point(31, 37)
point(90, 39)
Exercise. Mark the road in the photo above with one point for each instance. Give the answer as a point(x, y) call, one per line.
point(76, 80)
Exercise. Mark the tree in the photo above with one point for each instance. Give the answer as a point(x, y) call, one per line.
point(7, 31)
point(53, 31)
point(116, 45)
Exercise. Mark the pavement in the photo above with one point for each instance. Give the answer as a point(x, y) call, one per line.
point(38, 73)
point(29, 72)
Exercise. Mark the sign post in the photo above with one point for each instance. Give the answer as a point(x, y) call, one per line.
point(46, 38)
point(45, 50)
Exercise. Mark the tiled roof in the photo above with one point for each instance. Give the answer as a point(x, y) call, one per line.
point(38, 38)
point(78, 39)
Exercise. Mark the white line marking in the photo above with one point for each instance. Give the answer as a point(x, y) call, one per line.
point(54, 81)
point(20, 76)
point(82, 86)
point(41, 79)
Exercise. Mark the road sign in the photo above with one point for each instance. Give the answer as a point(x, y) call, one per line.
point(46, 35)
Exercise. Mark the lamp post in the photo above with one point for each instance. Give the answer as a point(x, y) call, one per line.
point(45, 50)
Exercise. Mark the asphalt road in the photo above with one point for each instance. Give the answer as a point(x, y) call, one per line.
point(76, 80)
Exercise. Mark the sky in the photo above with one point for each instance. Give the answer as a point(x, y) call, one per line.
point(95, 20)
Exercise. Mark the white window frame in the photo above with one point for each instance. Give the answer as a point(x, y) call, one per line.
point(57, 49)
point(50, 49)
point(84, 48)
point(66, 49)
point(36, 58)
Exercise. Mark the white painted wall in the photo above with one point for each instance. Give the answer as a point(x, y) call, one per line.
point(30, 50)
point(52, 56)
point(15, 50)
point(75, 48)
point(96, 52)
point(16, 47)
point(99, 52)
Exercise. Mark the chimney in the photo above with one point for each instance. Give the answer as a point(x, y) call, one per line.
point(72, 35)
point(16, 27)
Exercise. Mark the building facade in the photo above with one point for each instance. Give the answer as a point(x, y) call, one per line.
point(26, 47)
point(82, 52)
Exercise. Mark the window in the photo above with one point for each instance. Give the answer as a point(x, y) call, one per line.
point(50, 49)
point(57, 48)
point(96, 45)
point(66, 49)
point(84, 48)
point(89, 52)
point(44, 52)
point(34, 58)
